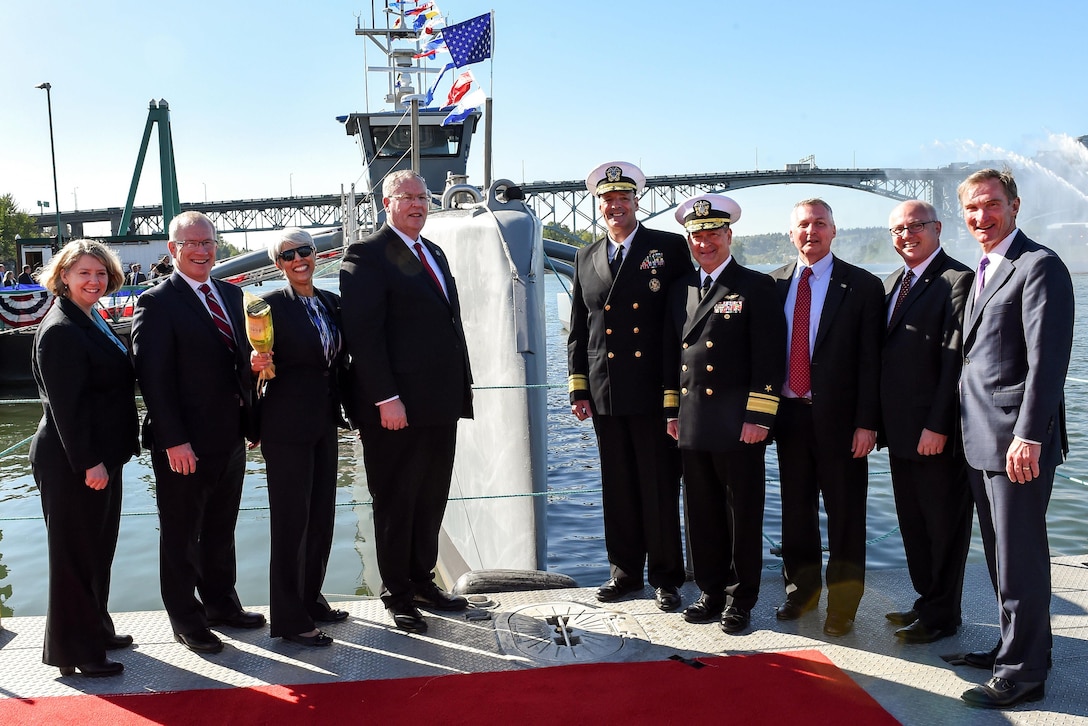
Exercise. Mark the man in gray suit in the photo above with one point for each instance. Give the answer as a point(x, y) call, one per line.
point(920, 368)
point(1018, 334)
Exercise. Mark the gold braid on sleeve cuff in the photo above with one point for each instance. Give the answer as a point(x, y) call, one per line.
point(765, 403)
point(672, 399)
point(577, 382)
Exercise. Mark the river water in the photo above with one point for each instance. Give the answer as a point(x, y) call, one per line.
point(575, 531)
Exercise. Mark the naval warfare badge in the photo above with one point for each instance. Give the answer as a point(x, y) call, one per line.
point(655, 284)
point(701, 207)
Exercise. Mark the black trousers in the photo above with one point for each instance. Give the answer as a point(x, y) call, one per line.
point(933, 503)
point(197, 516)
point(725, 497)
point(808, 472)
point(640, 479)
point(81, 529)
point(1012, 519)
point(302, 502)
point(408, 473)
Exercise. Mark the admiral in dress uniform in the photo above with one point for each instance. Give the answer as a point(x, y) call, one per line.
point(726, 355)
point(614, 356)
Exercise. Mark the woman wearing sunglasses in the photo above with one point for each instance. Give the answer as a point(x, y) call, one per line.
point(299, 415)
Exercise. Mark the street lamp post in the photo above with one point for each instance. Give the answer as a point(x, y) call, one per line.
point(53, 153)
point(75, 199)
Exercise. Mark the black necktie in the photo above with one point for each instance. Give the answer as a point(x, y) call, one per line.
point(708, 281)
point(617, 260)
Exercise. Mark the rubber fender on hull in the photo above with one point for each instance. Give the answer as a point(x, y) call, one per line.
point(483, 581)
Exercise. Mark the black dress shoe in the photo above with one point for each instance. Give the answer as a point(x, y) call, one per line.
point(241, 619)
point(332, 616)
point(319, 639)
point(705, 609)
point(1003, 693)
point(407, 617)
point(437, 598)
point(667, 598)
point(792, 610)
point(200, 641)
point(95, 670)
point(919, 632)
point(615, 589)
point(903, 618)
point(838, 625)
point(116, 642)
point(983, 659)
point(735, 620)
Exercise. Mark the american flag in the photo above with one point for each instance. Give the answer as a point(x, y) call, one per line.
point(470, 41)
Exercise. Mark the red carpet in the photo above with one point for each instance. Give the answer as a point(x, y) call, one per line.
point(799, 687)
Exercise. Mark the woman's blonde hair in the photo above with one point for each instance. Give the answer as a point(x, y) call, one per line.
point(50, 276)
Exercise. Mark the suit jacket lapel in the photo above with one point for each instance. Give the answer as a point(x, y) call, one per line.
point(994, 280)
point(836, 290)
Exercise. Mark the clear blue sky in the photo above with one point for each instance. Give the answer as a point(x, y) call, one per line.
point(254, 89)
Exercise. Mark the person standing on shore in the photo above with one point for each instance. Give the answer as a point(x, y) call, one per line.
point(192, 362)
point(827, 421)
point(1017, 341)
point(725, 357)
point(920, 369)
point(89, 430)
point(614, 361)
point(412, 384)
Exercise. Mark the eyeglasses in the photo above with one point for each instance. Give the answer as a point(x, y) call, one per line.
point(303, 252)
point(206, 244)
point(424, 198)
point(913, 228)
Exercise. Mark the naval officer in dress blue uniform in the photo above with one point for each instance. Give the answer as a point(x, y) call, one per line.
point(614, 351)
point(726, 361)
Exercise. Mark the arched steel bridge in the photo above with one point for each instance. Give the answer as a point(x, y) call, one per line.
point(563, 203)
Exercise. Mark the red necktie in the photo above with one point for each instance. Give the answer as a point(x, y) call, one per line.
point(799, 360)
point(428, 268)
point(218, 316)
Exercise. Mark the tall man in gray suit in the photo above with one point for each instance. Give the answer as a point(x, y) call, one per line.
point(1018, 335)
point(920, 369)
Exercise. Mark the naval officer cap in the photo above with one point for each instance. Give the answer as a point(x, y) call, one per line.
point(615, 176)
point(707, 211)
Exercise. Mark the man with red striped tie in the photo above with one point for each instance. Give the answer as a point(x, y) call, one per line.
point(192, 362)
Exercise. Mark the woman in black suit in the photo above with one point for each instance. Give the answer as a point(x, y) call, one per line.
point(89, 429)
point(299, 415)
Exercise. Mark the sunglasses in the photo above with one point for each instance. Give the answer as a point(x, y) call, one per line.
point(303, 252)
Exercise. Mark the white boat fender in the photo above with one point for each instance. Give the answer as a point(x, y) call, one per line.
point(484, 581)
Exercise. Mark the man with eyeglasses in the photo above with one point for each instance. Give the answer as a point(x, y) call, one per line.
point(192, 361)
point(412, 383)
point(616, 377)
point(920, 368)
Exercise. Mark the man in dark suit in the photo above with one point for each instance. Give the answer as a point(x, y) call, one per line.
point(828, 417)
point(725, 358)
point(412, 382)
point(614, 361)
point(192, 362)
point(26, 278)
point(136, 276)
point(920, 369)
point(1017, 340)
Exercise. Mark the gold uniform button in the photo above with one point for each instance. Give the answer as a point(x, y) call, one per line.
point(635, 306)
point(611, 354)
point(710, 344)
point(638, 353)
point(607, 308)
point(685, 346)
point(608, 331)
point(710, 369)
point(684, 391)
point(684, 367)
point(710, 391)
point(636, 330)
